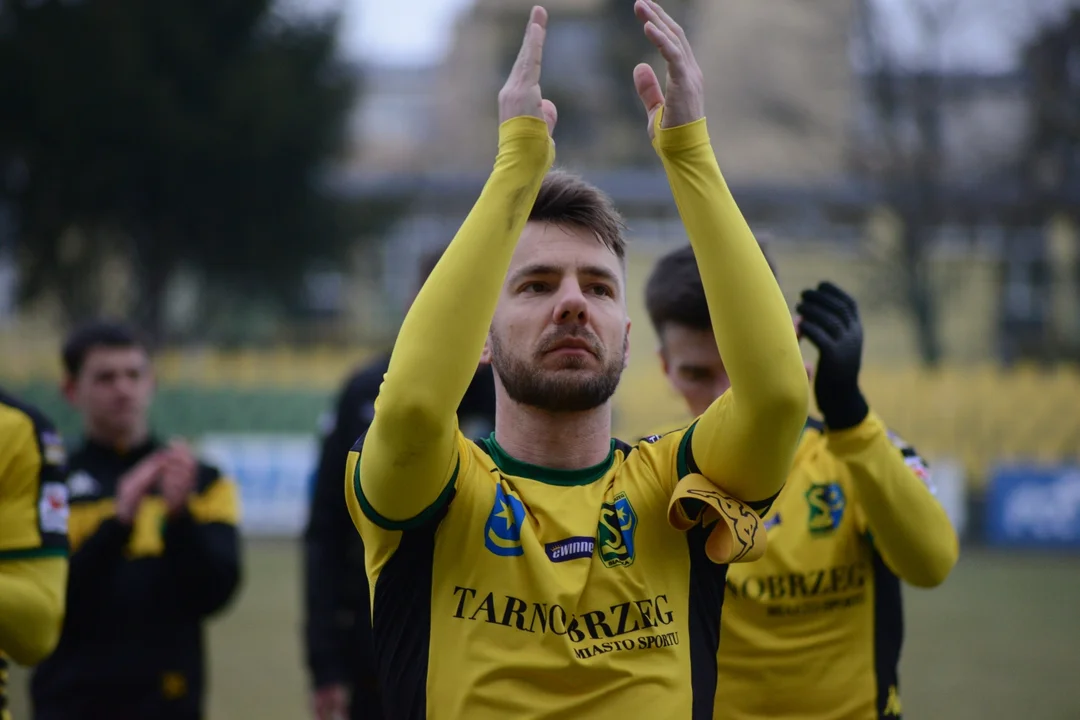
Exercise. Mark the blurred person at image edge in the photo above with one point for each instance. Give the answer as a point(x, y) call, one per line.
point(33, 537)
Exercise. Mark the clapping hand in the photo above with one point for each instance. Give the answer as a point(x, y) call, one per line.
point(178, 477)
point(829, 319)
point(683, 96)
point(521, 95)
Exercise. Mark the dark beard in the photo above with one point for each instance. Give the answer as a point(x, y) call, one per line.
point(560, 391)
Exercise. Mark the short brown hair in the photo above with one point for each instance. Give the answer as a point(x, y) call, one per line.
point(97, 334)
point(674, 293)
point(566, 199)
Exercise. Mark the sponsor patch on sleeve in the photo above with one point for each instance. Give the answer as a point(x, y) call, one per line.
point(53, 508)
point(52, 448)
point(915, 462)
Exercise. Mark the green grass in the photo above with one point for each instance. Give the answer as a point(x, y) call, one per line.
point(1000, 639)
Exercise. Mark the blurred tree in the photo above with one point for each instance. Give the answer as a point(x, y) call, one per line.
point(174, 133)
point(1052, 66)
point(1051, 61)
point(624, 47)
point(904, 154)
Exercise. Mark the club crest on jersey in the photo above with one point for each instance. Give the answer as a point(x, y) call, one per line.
point(827, 503)
point(502, 532)
point(615, 532)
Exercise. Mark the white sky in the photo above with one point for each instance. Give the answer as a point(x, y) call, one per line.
point(399, 32)
point(983, 35)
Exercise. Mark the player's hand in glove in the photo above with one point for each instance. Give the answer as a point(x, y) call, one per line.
point(829, 318)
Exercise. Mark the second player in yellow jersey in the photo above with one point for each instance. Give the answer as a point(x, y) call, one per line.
point(813, 630)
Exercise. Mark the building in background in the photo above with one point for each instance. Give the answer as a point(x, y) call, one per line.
point(394, 120)
point(778, 84)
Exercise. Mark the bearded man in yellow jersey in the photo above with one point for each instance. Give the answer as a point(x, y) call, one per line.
point(549, 571)
point(813, 630)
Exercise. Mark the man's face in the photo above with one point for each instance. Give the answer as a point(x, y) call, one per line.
point(559, 340)
point(113, 390)
point(693, 365)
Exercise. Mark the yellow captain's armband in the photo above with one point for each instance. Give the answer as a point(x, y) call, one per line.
point(738, 533)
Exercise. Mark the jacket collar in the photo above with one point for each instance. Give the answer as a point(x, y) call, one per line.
point(94, 449)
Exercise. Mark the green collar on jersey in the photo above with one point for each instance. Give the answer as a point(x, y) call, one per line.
point(551, 476)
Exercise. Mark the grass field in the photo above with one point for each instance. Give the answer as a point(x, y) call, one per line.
point(1001, 639)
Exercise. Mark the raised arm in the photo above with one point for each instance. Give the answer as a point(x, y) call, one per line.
point(909, 528)
point(745, 442)
point(410, 453)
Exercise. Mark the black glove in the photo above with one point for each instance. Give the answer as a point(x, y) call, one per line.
point(830, 320)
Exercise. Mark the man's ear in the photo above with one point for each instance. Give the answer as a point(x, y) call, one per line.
point(485, 354)
point(626, 348)
point(663, 360)
point(67, 389)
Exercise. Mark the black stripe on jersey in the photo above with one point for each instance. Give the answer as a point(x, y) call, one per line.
point(422, 517)
point(815, 424)
point(762, 507)
point(401, 621)
point(685, 465)
point(4, 675)
point(706, 602)
point(52, 543)
point(888, 634)
point(910, 452)
point(684, 460)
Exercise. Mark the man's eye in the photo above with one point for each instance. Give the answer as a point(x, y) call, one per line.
point(535, 287)
point(601, 290)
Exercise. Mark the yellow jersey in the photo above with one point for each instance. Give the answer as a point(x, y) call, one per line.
point(575, 577)
point(33, 537)
point(814, 629)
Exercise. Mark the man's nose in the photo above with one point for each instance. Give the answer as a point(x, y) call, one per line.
point(571, 307)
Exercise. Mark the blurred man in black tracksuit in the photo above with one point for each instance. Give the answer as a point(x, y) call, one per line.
point(340, 654)
point(155, 550)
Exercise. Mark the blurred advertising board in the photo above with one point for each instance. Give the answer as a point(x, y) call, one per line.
point(274, 473)
point(1034, 506)
point(949, 482)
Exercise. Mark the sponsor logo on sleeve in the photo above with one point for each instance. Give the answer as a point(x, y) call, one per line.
point(83, 485)
point(52, 448)
point(53, 508)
